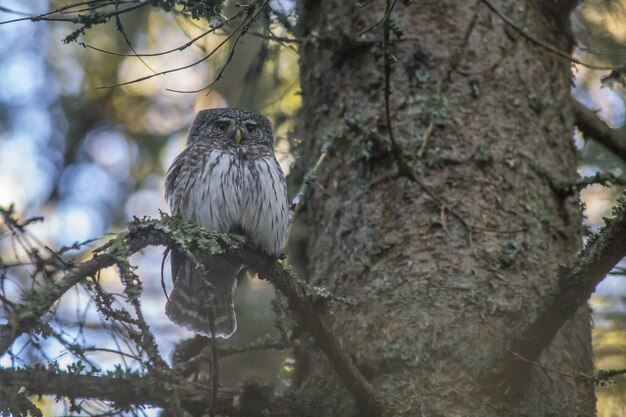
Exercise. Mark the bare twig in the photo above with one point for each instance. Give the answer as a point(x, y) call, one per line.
point(599, 378)
point(120, 28)
point(169, 51)
point(427, 133)
point(459, 52)
point(310, 178)
point(539, 42)
point(242, 29)
point(7, 10)
point(48, 16)
point(193, 64)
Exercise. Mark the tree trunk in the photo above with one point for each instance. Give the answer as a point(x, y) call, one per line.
point(439, 296)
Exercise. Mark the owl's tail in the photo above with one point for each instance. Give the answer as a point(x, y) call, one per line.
point(195, 300)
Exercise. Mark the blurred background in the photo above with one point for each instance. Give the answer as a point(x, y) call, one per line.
point(89, 158)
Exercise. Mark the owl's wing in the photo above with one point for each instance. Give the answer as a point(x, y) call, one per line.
point(177, 260)
point(174, 181)
point(199, 303)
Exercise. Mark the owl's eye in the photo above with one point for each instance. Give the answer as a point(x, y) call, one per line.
point(221, 127)
point(251, 129)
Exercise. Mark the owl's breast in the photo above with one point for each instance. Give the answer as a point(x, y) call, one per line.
point(265, 211)
point(215, 194)
point(234, 193)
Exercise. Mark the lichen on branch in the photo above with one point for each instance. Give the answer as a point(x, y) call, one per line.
point(185, 236)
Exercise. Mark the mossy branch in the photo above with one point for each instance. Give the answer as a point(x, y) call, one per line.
point(127, 389)
point(593, 127)
point(575, 286)
point(303, 299)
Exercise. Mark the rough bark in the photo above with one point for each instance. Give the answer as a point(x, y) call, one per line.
point(436, 306)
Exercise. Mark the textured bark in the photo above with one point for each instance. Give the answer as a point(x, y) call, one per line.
point(435, 307)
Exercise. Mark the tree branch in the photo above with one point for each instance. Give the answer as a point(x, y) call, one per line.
point(592, 126)
point(190, 353)
point(128, 389)
point(575, 286)
point(519, 29)
point(25, 316)
point(604, 377)
point(303, 299)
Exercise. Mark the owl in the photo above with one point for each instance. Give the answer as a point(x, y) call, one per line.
point(226, 179)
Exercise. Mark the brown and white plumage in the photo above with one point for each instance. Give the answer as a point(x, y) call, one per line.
point(229, 180)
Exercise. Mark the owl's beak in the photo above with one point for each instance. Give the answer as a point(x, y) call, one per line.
point(238, 136)
point(239, 133)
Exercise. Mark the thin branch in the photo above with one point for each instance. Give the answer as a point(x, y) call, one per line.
point(592, 126)
point(387, 69)
point(190, 354)
point(78, 19)
point(132, 389)
point(242, 29)
point(169, 51)
point(280, 39)
point(120, 28)
point(7, 10)
point(310, 178)
point(602, 377)
point(539, 42)
point(193, 64)
point(575, 286)
point(565, 189)
point(112, 351)
point(59, 10)
point(606, 179)
point(459, 52)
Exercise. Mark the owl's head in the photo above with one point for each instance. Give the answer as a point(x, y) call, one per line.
point(231, 127)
